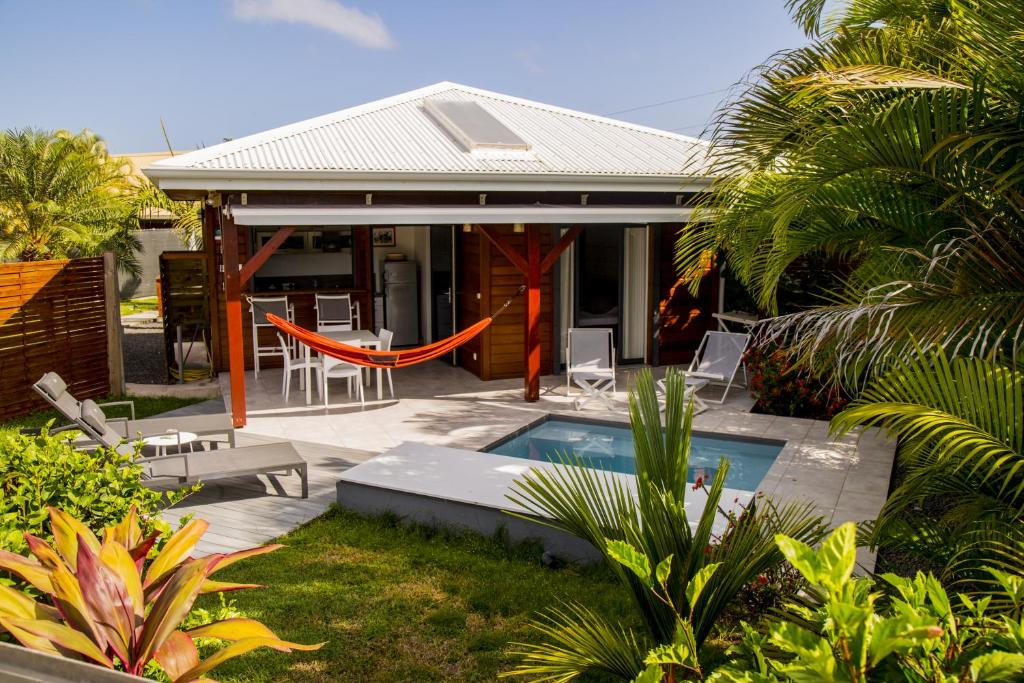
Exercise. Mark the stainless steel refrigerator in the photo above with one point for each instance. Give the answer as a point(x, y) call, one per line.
point(402, 301)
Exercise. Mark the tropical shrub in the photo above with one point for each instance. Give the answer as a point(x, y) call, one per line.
point(599, 508)
point(960, 422)
point(682, 655)
point(852, 634)
point(780, 387)
point(41, 470)
point(110, 605)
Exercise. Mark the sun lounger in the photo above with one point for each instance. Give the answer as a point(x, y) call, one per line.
point(180, 468)
point(53, 389)
point(188, 468)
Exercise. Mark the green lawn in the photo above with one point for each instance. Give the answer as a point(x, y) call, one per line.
point(144, 407)
point(145, 303)
point(401, 604)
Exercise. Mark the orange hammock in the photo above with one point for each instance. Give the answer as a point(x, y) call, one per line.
point(371, 358)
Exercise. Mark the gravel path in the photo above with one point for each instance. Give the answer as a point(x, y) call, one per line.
point(144, 361)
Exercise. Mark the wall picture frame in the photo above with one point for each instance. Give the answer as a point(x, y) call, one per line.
point(383, 236)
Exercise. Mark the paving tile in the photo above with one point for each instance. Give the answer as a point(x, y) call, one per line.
point(441, 405)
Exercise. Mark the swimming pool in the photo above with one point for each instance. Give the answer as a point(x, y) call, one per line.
point(610, 446)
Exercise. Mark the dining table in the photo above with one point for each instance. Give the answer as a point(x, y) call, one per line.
point(363, 338)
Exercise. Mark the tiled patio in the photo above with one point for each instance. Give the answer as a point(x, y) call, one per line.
point(441, 405)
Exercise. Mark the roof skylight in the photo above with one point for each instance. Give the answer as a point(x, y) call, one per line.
point(473, 126)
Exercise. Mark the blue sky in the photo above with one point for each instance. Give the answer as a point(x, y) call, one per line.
point(226, 68)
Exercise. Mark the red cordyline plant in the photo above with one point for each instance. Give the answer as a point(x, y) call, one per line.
point(110, 608)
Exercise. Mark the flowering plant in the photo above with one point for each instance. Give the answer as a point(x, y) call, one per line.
point(781, 388)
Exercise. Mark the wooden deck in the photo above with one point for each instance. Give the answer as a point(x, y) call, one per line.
point(248, 511)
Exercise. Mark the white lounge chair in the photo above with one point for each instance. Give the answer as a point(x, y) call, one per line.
point(336, 312)
point(719, 357)
point(590, 364)
point(259, 307)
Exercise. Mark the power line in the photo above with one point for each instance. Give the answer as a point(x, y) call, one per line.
point(661, 104)
point(690, 127)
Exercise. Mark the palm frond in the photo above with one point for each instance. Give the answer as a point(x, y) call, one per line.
point(961, 423)
point(576, 641)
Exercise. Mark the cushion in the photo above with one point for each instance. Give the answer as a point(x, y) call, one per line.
point(52, 385)
point(93, 416)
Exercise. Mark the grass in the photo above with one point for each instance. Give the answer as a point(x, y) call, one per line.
point(140, 305)
point(397, 603)
point(145, 406)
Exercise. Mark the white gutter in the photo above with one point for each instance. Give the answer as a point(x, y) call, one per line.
point(427, 215)
point(325, 181)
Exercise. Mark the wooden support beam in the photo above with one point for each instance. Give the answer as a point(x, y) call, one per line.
point(506, 249)
point(260, 257)
point(532, 330)
point(233, 301)
point(552, 256)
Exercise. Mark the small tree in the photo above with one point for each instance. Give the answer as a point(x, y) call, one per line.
point(63, 196)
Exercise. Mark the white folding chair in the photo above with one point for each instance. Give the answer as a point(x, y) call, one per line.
point(693, 385)
point(336, 312)
point(295, 361)
point(590, 363)
point(339, 369)
point(719, 357)
point(385, 337)
point(259, 307)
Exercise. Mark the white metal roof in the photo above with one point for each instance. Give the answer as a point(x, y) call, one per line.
point(446, 214)
point(398, 139)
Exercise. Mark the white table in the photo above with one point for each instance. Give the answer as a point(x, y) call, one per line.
point(736, 317)
point(173, 438)
point(364, 338)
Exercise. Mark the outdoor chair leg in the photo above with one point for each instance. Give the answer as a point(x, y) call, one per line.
point(303, 472)
point(391, 386)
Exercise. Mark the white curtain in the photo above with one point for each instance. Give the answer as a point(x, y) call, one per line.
point(634, 294)
point(566, 296)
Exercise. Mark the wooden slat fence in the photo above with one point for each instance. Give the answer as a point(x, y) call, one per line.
point(52, 317)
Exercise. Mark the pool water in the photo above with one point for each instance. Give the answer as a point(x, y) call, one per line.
point(611, 447)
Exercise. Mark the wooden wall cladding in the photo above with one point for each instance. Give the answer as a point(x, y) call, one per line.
point(500, 349)
point(52, 317)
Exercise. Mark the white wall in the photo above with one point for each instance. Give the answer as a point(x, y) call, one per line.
point(414, 242)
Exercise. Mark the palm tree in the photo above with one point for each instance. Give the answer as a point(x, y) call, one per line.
point(599, 508)
point(63, 196)
point(895, 141)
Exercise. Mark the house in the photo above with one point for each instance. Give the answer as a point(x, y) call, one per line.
point(486, 193)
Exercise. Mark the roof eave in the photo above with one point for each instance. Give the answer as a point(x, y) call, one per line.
point(214, 180)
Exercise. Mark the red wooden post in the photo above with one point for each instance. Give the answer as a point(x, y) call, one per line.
point(532, 332)
point(233, 297)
